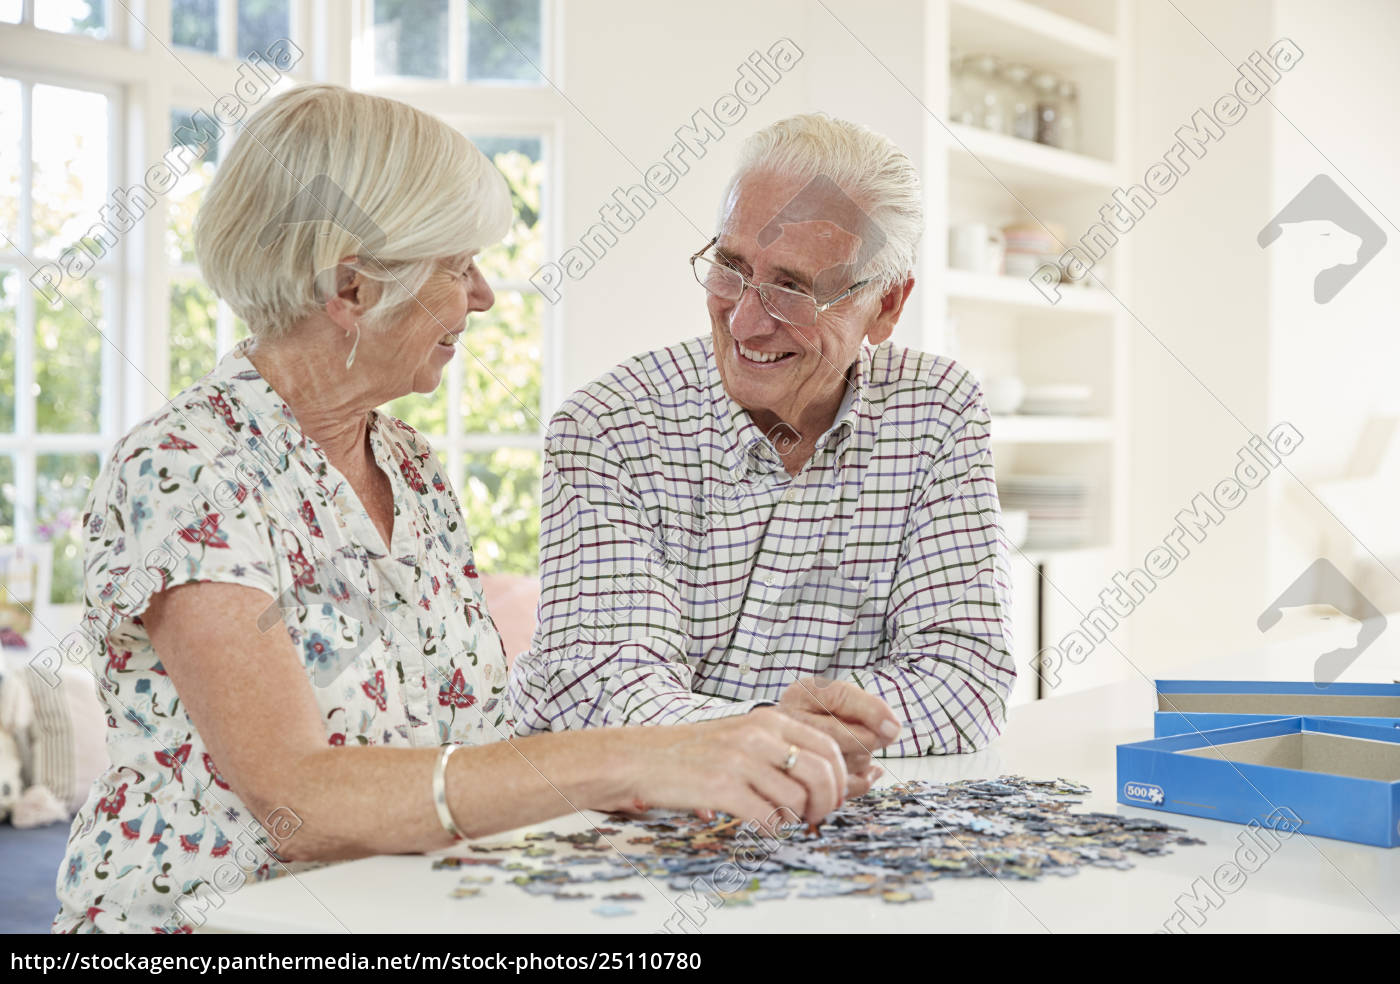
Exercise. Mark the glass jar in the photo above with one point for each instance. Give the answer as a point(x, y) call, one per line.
point(991, 99)
point(1069, 116)
point(1047, 109)
point(1020, 101)
point(963, 97)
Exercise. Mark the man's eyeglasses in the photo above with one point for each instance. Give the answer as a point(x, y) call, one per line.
point(795, 307)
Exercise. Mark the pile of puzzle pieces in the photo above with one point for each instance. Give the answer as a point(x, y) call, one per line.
point(891, 843)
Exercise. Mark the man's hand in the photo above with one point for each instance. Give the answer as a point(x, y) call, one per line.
point(859, 722)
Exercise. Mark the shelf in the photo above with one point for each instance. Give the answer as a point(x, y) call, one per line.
point(1034, 429)
point(1042, 555)
point(1015, 293)
point(1030, 33)
point(1024, 166)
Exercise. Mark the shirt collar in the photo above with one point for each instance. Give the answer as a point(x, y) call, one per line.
point(748, 449)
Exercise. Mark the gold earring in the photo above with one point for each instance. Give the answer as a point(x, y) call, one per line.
point(350, 359)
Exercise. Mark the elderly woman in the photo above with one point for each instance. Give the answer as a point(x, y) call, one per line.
point(297, 642)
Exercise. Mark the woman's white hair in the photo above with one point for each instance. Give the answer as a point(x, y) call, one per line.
point(322, 173)
point(866, 166)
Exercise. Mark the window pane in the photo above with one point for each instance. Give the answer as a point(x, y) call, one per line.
point(9, 159)
point(9, 297)
point(195, 24)
point(520, 160)
point(424, 412)
point(7, 498)
point(198, 131)
point(502, 374)
point(64, 481)
point(72, 16)
point(199, 134)
point(410, 38)
point(503, 41)
point(70, 165)
point(68, 359)
point(261, 22)
point(193, 320)
point(10, 10)
point(500, 496)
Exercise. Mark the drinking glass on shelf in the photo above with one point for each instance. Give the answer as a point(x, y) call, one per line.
point(963, 95)
point(1069, 116)
point(1047, 109)
point(1020, 99)
point(990, 99)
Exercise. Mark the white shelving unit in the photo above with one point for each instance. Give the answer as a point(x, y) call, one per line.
point(1010, 293)
point(999, 325)
point(1044, 429)
point(1023, 167)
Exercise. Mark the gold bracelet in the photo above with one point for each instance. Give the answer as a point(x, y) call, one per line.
point(440, 793)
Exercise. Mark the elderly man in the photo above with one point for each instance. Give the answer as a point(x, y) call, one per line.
point(781, 512)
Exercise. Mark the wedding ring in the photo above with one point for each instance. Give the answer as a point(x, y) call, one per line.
point(791, 759)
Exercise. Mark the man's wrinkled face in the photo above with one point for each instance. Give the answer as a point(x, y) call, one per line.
point(768, 366)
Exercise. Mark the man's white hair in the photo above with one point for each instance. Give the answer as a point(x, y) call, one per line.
point(322, 173)
point(867, 166)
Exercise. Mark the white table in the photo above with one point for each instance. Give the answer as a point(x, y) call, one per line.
point(1310, 884)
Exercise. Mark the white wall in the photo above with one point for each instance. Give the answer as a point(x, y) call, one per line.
point(1335, 365)
point(1243, 319)
point(1201, 348)
point(636, 71)
point(1222, 346)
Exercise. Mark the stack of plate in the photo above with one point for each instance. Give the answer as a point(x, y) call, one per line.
point(1057, 399)
point(1030, 246)
point(1058, 506)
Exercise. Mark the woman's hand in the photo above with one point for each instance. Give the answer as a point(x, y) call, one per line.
point(735, 766)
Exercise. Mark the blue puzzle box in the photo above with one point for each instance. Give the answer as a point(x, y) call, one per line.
point(1324, 776)
point(1185, 706)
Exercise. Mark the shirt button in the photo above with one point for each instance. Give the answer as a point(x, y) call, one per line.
point(749, 668)
point(792, 495)
point(768, 581)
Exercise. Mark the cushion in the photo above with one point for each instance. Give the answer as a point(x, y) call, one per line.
point(512, 599)
point(68, 737)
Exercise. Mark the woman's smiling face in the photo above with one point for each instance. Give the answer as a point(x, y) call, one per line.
point(413, 353)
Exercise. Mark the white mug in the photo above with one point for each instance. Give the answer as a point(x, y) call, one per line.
point(975, 246)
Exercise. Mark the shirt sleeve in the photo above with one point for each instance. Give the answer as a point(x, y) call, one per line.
point(162, 515)
point(610, 646)
point(949, 669)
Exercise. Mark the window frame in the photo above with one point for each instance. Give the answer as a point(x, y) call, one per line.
point(458, 37)
point(516, 110)
point(143, 80)
point(26, 443)
point(146, 77)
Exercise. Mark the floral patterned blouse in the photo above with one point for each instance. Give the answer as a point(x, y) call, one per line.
point(397, 643)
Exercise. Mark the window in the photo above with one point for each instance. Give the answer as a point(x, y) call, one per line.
point(486, 419)
point(137, 323)
point(202, 327)
point(74, 373)
point(228, 28)
point(59, 367)
point(484, 41)
point(71, 17)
